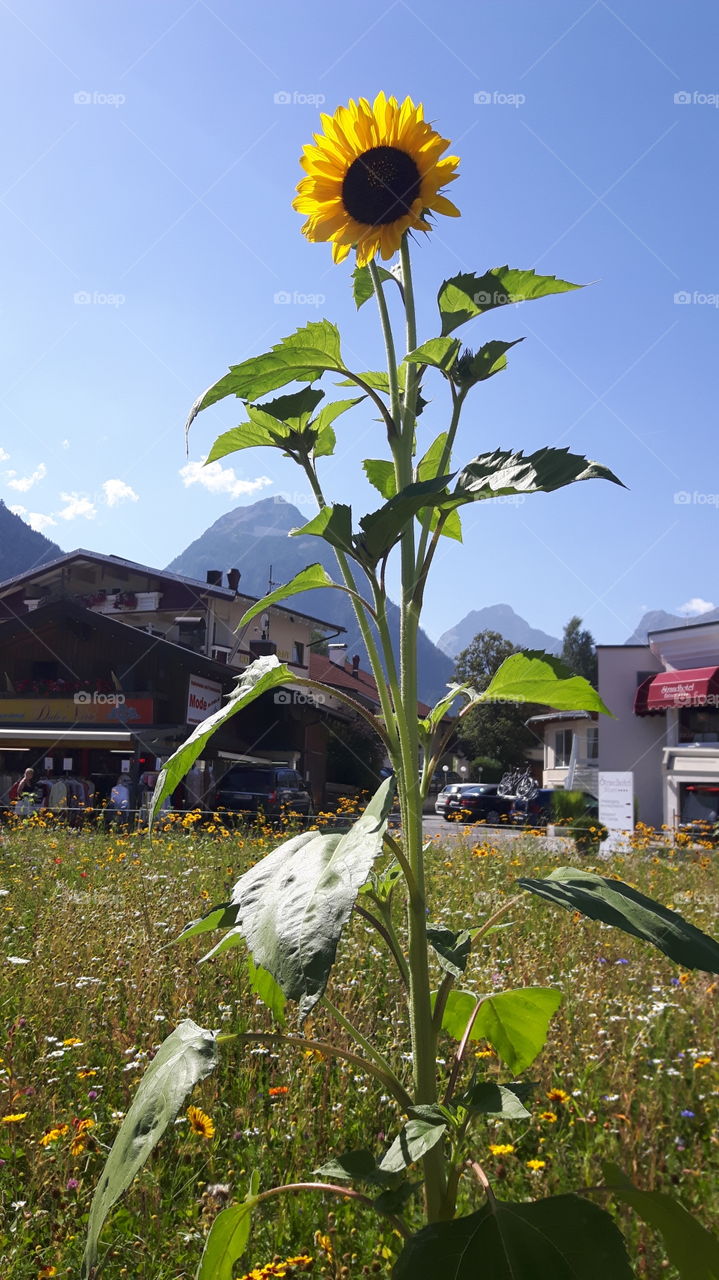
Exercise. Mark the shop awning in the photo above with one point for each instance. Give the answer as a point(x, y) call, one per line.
point(696, 687)
point(54, 736)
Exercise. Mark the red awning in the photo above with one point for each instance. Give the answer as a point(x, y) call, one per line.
point(697, 687)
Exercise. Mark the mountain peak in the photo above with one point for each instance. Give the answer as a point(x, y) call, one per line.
point(496, 617)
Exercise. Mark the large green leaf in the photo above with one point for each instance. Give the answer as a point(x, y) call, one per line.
point(322, 425)
point(264, 985)
point(692, 1249)
point(440, 353)
point(382, 529)
point(500, 473)
point(353, 1166)
point(541, 678)
point(429, 723)
point(261, 676)
point(291, 907)
point(315, 575)
point(563, 1238)
point(301, 357)
point(334, 524)
point(416, 1138)
point(514, 1022)
point(185, 1057)
point(466, 296)
point(227, 1241)
point(627, 909)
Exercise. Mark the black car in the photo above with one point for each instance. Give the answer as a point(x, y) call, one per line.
point(446, 797)
point(539, 811)
point(479, 802)
point(271, 790)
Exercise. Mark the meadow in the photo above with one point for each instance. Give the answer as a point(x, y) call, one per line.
point(90, 983)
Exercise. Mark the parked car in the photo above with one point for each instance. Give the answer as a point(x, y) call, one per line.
point(538, 812)
point(441, 804)
point(480, 802)
point(251, 789)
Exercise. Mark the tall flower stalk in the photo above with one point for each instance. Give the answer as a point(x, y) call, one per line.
point(373, 177)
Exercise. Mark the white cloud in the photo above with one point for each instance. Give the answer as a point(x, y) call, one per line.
point(23, 483)
point(117, 491)
point(695, 606)
point(3, 455)
point(76, 505)
point(219, 479)
point(35, 519)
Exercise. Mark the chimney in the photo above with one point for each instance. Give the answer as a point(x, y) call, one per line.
point(233, 579)
point(336, 654)
point(355, 666)
point(214, 577)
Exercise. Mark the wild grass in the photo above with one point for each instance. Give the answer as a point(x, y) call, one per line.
point(90, 984)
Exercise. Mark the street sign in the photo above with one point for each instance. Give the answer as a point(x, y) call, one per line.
point(616, 808)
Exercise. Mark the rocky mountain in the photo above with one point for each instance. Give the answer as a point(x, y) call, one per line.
point(254, 539)
point(501, 618)
point(21, 547)
point(659, 620)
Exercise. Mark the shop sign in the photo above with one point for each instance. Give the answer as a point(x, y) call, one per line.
point(82, 709)
point(204, 697)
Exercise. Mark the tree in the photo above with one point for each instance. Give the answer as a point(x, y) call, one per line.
point(497, 729)
point(578, 650)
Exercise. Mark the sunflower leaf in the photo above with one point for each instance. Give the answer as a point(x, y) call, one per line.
point(502, 472)
point(227, 1241)
point(381, 529)
point(362, 287)
point(302, 357)
point(480, 365)
point(618, 904)
point(315, 575)
point(539, 677)
point(325, 439)
point(187, 1055)
point(380, 473)
point(468, 295)
point(564, 1236)
point(292, 906)
point(261, 676)
point(441, 353)
point(690, 1248)
point(334, 524)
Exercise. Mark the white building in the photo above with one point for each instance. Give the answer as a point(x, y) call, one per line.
point(665, 699)
point(569, 745)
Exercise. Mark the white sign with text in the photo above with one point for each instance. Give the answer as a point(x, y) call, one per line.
point(203, 698)
point(616, 807)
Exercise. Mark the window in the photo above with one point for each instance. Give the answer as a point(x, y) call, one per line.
point(562, 747)
point(298, 654)
point(593, 743)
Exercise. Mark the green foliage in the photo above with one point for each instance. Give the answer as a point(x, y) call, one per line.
point(418, 1136)
point(186, 1056)
point(564, 1238)
point(354, 755)
point(315, 575)
point(501, 473)
point(466, 296)
point(264, 985)
point(627, 909)
point(260, 677)
point(692, 1249)
point(539, 678)
point(291, 907)
point(578, 650)
point(495, 730)
point(515, 1023)
point(488, 768)
point(452, 949)
point(473, 367)
point(490, 1099)
point(588, 833)
point(440, 353)
point(227, 1241)
point(302, 357)
point(362, 286)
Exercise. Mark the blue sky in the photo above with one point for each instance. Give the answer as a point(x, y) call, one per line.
point(147, 228)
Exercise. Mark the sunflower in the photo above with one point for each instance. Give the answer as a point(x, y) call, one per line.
point(200, 1123)
point(372, 175)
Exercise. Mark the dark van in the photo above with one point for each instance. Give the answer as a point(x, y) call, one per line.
point(271, 790)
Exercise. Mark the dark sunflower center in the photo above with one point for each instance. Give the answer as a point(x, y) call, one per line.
point(380, 186)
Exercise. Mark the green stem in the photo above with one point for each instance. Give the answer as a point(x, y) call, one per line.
point(386, 931)
point(334, 1190)
point(387, 1077)
point(388, 342)
point(423, 1039)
